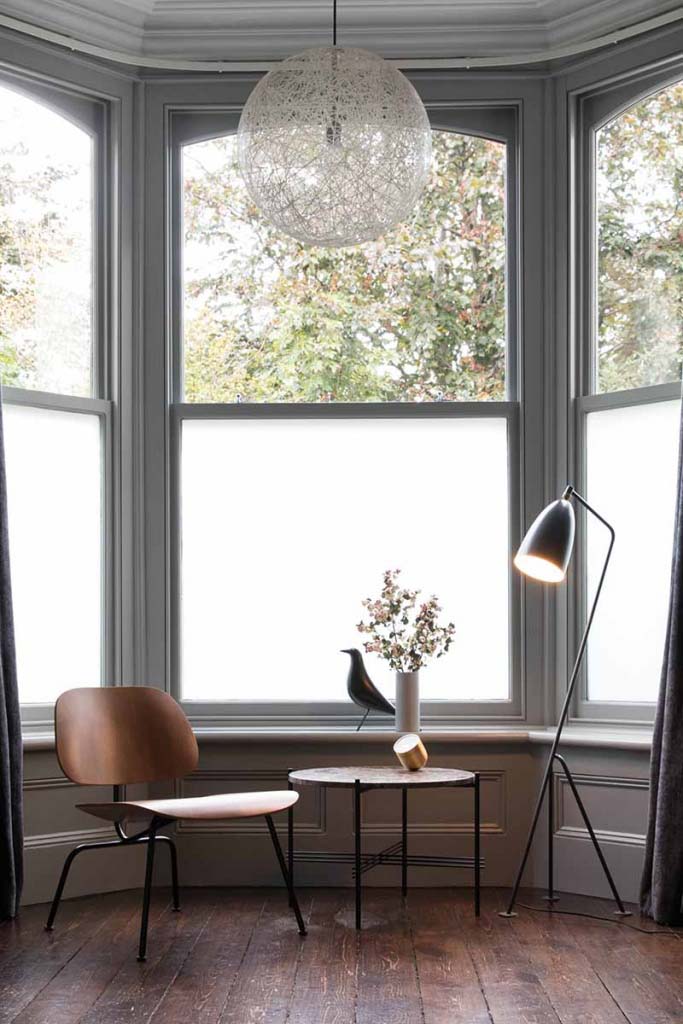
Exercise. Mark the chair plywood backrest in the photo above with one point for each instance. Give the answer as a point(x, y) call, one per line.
point(116, 735)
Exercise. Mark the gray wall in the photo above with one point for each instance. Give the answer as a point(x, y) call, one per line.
point(611, 767)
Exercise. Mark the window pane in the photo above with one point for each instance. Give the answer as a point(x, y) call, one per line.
point(632, 461)
point(46, 248)
point(417, 316)
point(288, 524)
point(640, 226)
point(55, 525)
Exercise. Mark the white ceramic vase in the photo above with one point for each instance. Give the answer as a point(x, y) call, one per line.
point(407, 702)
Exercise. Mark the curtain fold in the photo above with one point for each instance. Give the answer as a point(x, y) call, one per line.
point(661, 890)
point(11, 752)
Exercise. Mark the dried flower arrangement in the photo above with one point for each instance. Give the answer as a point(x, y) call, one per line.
point(400, 631)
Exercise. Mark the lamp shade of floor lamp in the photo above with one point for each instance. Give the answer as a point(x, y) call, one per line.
point(545, 554)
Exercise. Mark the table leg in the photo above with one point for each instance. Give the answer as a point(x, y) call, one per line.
point(404, 843)
point(290, 840)
point(357, 828)
point(477, 845)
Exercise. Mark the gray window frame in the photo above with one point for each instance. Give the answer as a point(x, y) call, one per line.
point(94, 115)
point(593, 109)
point(495, 120)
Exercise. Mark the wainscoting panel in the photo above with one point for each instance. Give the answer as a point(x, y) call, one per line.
point(53, 826)
point(613, 784)
point(614, 788)
point(612, 804)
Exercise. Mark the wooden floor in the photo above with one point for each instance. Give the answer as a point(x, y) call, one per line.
point(234, 956)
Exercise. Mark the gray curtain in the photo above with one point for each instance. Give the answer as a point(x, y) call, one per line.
point(661, 890)
point(11, 812)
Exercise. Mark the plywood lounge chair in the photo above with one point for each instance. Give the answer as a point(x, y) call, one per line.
point(120, 735)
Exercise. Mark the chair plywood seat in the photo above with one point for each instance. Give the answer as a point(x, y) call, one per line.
point(201, 808)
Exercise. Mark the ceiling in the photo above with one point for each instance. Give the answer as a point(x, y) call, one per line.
point(267, 29)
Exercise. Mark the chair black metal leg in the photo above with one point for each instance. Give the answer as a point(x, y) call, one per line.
point(623, 912)
point(357, 828)
point(404, 842)
point(477, 846)
point(60, 886)
point(285, 874)
point(151, 843)
point(174, 869)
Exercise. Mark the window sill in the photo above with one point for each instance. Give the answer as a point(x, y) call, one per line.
point(581, 736)
point(576, 736)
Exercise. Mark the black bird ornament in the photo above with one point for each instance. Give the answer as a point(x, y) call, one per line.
point(361, 688)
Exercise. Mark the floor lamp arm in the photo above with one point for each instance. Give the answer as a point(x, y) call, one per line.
point(568, 493)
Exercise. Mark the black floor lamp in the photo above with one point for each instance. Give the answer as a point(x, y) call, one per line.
point(544, 554)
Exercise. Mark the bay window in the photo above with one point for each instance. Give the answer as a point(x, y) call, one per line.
point(339, 412)
point(630, 382)
point(57, 422)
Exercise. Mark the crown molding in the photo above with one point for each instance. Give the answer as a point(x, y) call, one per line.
point(570, 21)
point(112, 25)
point(220, 35)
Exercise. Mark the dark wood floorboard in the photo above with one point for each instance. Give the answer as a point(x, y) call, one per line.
point(263, 991)
point(449, 983)
point(204, 982)
point(326, 983)
point(234, 956)
point(562, 967)
point(387, 970)
point(511, 986)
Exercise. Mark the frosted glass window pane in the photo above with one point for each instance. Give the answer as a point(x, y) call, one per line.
point(46, 248)
point(55, 524)
point(632, 461)
point(287, 525)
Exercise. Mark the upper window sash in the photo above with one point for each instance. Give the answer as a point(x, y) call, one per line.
point(498, 123)
point(596, 110)
point(91, 116)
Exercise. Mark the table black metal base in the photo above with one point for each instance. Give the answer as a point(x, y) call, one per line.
point(396, 854)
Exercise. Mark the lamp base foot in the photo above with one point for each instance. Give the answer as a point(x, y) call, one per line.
point(623, 913)
point(550, 899)
point(508, 913)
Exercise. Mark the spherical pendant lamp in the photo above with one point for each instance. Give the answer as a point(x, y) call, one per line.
point(335, 146)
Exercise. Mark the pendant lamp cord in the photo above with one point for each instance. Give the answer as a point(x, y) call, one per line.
point(334, 22)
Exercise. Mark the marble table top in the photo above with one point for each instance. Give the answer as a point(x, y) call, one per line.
point(381, 778)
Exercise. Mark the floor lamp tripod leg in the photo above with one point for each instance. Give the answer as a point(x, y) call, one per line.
point(551, 897)
point(622, 911)
point(530, 838)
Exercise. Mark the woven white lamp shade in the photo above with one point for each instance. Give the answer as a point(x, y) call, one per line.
point(335, 146)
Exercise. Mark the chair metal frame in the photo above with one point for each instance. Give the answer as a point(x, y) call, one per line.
point(150, 836)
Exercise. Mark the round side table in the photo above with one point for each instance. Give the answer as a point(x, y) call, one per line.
point(362, 779)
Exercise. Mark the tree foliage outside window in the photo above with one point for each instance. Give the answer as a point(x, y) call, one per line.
point(46, 248)
point(640, 244)
point(419, 315)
